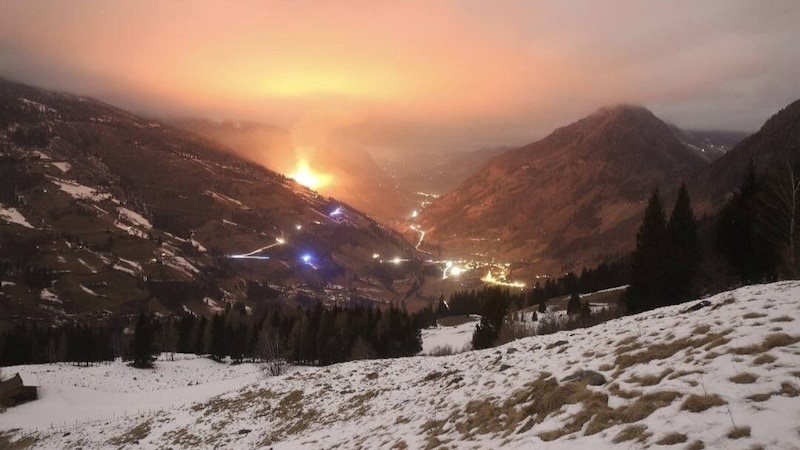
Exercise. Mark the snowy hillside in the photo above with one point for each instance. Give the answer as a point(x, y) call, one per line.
point(724, 376)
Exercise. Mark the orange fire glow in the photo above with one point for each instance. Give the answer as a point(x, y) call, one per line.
point(308, 177)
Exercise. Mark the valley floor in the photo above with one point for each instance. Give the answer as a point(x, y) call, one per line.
point(724, 376)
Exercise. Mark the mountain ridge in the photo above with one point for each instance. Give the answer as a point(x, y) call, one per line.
point(127, 213)
point(586, 177)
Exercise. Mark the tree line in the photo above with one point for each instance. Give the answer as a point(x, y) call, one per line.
point(309, 336)
point(752, 239)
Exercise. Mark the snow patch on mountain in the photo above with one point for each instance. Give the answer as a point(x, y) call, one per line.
point(12, 215)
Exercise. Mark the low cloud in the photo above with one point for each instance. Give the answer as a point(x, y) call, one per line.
point(413, 76)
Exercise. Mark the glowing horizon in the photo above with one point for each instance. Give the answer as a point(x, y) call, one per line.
point(415, 75)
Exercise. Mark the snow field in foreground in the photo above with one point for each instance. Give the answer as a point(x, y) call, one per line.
point(670, 376)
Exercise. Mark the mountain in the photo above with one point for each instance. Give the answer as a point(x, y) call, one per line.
point(772, 147)
point(569, 199)
point(104, 211)
point(710, 144)
point(723, 376)
point(354, 176)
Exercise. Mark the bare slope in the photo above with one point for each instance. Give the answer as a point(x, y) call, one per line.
point(571, 197)
point(726, 376)
point(123, 212)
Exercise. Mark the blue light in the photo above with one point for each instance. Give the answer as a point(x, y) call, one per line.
point(306, 258)
point(337, 212)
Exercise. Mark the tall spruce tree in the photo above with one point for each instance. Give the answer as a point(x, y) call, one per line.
point(683, 250)
point(143, 345)
point(740, 236)
point(648, 272)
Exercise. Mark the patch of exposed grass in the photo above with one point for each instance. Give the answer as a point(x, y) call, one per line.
point(357, 406)
point(760, 397)
point(650, 379)
point(134, 435)
point(739, 432)
point(701, 329)
point(638, 433)
point(683, 373)
point(672, 439)
point(699, 403)
point(789, 389)
point(771, 341)
point(764, 358)
point(743, 378)
point(622, 393)
point(725, 302)
point(8, 441)
point(400, 445)
point(696, 445)
point(782, 319)
point(182, 437)
point(432, 376)
point(647, 404)
point(666, 350)
point(603, 418)
point(779, 340)
point(753, 315)
point(555, 344)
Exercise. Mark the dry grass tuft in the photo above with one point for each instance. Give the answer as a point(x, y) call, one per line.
point(782, 319)
point(753, 315)
point(651, 379)
point(7, 441)
point(133, 436)
point(666, 350)
point(614, 389)
point(770, 342)
point(701, 329)
point(760, 397)
point(647, 404)
point(789, 390)
point(605, 417)
point(699, 403)
point(743, 378)
point(764, 358)
point(672, 439)
point(432, 376)
point(739, 432)
point(683, 373)
point(696, 445)
point(727, 301)
point(778, 340)
point(632, 432)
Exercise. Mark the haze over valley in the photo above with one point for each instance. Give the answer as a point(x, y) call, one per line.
point(414, 225)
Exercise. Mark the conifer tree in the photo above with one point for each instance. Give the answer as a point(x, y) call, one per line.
point(492, 317)
point(740, 236)
point(218, 337)
point(683, 250)
point(648, 278)
point(143, 346)
point(574, 304)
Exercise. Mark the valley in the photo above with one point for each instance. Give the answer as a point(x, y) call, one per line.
point(408, 225)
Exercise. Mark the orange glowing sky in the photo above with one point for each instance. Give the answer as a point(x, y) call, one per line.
point(412, 75)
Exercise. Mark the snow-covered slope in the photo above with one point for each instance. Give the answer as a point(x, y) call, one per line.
point(724, 376)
